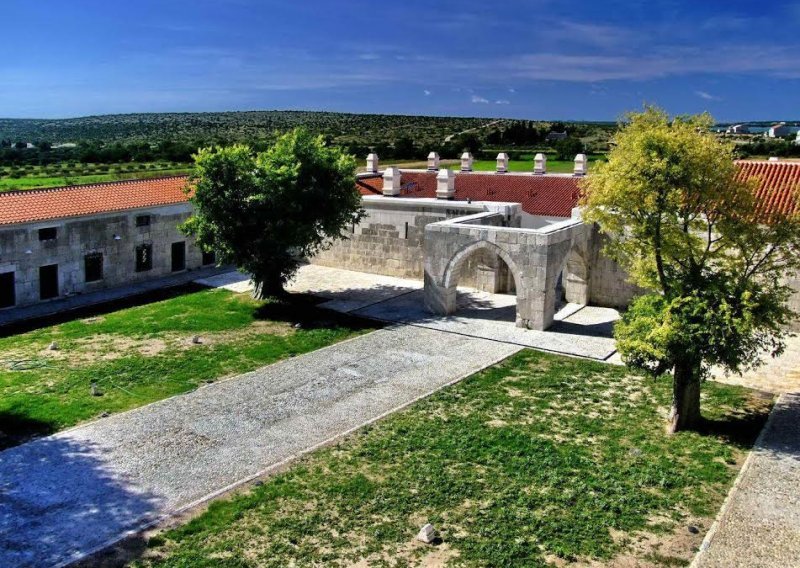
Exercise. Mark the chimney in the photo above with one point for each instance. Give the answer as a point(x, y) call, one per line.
point(433, 162)
point(372, 163)
point(391, 182)
point(581, 165)
point(445, 184)
point(466, 162)
point(540, 164)
point(502, 163)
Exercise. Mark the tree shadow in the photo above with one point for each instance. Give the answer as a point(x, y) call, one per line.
point(16, 429)
point(304, 310)
point(64, 497)
point(739, 428)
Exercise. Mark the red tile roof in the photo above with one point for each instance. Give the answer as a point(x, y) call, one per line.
point(778, 185)
point(60, 202)
point(552, 195)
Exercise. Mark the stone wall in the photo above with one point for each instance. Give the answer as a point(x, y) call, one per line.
point(389, 240)
point(609, 282)
point(114, 235)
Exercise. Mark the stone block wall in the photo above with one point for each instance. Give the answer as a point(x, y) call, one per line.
point(389, 240)
point(114, 235)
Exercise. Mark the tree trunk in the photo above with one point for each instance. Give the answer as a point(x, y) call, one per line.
point(270, 287)
point(685, 413)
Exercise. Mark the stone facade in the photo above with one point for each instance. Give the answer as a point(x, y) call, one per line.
point(389, 240)
point(110, 239)
point(535, 258)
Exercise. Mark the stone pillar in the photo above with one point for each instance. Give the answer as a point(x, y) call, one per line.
point(466, 162)
point(439, 299)
point(391, 182)
point(502, 163)
point(445, 184)
point(372, 163)
point(581, 165)
point(540, 164)
point(433, 162)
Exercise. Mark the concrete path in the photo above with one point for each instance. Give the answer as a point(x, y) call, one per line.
point(580, 331)
point(759, 525)
point(66, 495)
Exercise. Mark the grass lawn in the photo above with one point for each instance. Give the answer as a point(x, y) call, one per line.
point(145, 353)
point(40, 182)
point(538, 460)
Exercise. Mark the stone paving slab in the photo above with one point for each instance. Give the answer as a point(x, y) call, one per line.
point(578, 331)
point(777, 375)
point(63, 496)
point(583, 333)
point(759, 525)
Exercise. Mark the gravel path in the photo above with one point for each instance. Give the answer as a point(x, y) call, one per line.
point(65, 495)
point(760, 523)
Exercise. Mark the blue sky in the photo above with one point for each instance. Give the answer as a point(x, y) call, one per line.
point(538, 59)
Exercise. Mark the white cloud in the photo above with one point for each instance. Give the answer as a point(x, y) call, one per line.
point(512, 90)
point(707, 96)
point(502, 102)
point(481, 100)
point(427, 92)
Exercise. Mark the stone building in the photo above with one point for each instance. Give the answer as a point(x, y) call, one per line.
point(65, 241)
point(501, 231)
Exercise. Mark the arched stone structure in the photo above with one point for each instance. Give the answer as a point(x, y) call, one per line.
point(534, 256)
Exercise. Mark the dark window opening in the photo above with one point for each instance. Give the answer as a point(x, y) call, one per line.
point(144, 258)
point(93, 267)
point(143, 220)
point(48, 281)
point(8, 296)
point(178, 256)
point(209, 258)
point(48, 234)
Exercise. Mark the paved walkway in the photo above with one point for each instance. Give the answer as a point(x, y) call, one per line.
point(64, 496)
point(580, 331)
point(759, 525)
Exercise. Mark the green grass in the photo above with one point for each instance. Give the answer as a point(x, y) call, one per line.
point(553, 166)
point(41, 182)
point(141, 354)
point(536, 459)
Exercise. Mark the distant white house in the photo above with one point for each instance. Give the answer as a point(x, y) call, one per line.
point(797, 140)
point(778, 130)
point(738, 129)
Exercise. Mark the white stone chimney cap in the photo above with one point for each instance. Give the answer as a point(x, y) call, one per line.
point(372, 162)
point(433, 161)
point(581, 165)
point(391, 181)
point(540, 163)
point(502, 163)
point(445, 184)
point(466, 162)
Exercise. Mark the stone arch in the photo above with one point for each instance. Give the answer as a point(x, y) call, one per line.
point(576, 275)
point(456, 263)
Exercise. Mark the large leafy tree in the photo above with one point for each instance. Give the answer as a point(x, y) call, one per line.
point(264, 212)
point(693, 235)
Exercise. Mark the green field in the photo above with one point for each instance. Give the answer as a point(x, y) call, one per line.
point(126, 358)
point(58, 175)
point(538, 460)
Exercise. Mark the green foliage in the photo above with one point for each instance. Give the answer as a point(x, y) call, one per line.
point(568, 148)
point(683, 225)
point(537, 457)
point(264, 212)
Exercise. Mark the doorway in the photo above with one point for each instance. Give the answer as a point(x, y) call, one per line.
point(8, 295)
point(48, 281)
